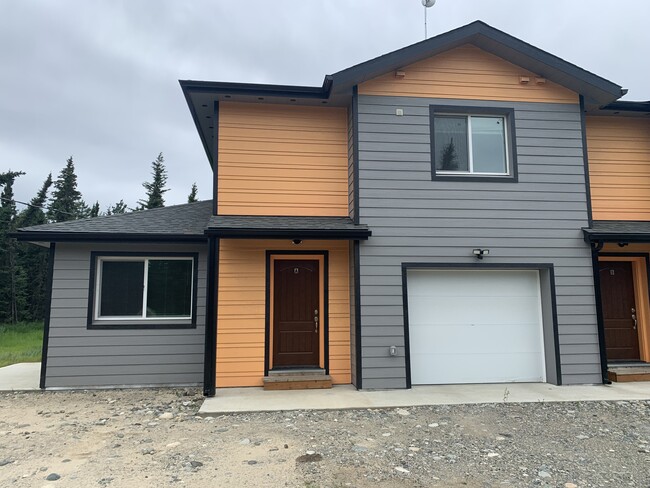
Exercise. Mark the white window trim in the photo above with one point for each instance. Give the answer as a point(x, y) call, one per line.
point(470, 154)
point(145, 259)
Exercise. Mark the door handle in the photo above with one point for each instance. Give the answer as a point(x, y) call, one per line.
point(634, 318)
point(316, 321)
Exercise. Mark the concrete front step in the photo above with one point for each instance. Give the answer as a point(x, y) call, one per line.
point(623, 374)
point(297, 372)
point(301, 381)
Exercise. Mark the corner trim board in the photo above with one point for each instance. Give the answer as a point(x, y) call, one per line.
point(355, 151)
point(585, 156)
point(357, 314)
point(46, 321)
point(211, 318)
point(215, 160)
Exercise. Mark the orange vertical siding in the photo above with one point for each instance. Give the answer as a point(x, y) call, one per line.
point(241, 309)
point(619, 167)
point(282, 160)
point(469, 73)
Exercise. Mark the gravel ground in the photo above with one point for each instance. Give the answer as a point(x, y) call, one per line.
point(153, 438)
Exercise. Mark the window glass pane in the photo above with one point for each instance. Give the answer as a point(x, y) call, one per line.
point(489, 145)
point(450, 140)
point(122, 288)
point(169, 288)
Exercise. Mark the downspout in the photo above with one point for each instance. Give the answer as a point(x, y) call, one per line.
point(596, 247)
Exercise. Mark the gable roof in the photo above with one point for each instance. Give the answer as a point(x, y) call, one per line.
point(185, 222)
point(202, 96)
point(596, 90)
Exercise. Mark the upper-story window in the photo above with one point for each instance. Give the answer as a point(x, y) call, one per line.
point(472, 142)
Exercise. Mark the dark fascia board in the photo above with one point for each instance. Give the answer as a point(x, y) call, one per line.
point(591, 236)
point(625, 106)
point(103, 237)
point(235, 233)
point(262, 90)
point(630, 106)
point(197, 124)
point(496, 42)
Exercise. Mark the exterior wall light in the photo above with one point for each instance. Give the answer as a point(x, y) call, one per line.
point(479, 253)
point(297, 241)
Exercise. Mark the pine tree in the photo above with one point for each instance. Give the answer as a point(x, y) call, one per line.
point(94, 210)
point(66, 202)
point(156, 188)
point(33, 260)
point(10, 300)
point(192, 197)
point(449, 157)
point(118, 208)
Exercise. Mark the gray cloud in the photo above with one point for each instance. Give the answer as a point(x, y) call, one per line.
point(98, 80)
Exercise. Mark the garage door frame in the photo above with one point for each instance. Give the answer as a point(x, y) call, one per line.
point(549, 308)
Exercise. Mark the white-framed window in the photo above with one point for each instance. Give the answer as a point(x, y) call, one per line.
point(467, 142)
point(144, 288)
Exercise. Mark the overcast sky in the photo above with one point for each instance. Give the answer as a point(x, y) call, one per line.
point(98, 80)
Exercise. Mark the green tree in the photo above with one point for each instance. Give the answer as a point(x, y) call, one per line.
point(118, 208)
point(155, 188)
point(192, 197)
point(66, 202)
point(94, 210)
point(10, 276)
point(33, 260)
point(449, 158)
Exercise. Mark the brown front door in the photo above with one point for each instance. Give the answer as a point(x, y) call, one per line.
point(619, 311)
point(296, 314)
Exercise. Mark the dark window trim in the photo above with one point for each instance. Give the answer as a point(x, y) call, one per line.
point(91, 324)
point(514, 266)
point(268, 298)
point(507, 112)
point(46, 321)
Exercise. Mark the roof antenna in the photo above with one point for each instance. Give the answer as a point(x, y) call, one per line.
point(427, 4)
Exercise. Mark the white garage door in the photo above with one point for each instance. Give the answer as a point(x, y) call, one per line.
point(475, 326)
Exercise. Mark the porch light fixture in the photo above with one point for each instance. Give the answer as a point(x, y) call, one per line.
point(297, 242)
point(623, 244)
point(479, 253)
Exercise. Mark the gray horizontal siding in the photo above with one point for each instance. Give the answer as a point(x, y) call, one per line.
point(413, 219)
point(78, 357)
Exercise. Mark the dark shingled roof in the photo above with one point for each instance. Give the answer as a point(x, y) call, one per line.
point(178, 221)
point(291, 227)
point(618, 230)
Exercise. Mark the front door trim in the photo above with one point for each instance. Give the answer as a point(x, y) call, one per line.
point(642, 299)
point(268, 299)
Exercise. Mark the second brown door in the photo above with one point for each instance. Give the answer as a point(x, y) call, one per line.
point(619, 311)
point(296, 314)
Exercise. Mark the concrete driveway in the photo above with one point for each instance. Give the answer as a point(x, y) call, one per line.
point(21, 376)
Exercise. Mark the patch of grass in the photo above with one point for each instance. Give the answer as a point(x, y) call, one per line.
point(20, 343)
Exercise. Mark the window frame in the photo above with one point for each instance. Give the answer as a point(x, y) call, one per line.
point(508, 115)
point(94, 321)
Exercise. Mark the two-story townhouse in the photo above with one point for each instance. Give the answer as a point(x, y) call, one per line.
point(417, 219)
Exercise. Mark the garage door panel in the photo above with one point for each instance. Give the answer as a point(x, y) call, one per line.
point(476, 340)
point(475, 326)
point(472, 283)
point(470, 310)
point(467, 368)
